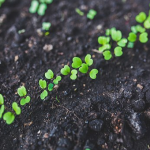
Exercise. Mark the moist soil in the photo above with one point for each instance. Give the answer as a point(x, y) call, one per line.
point(109, 113)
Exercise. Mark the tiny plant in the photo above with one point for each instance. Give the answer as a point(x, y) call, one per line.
point(34, 6)
point(46, 26)
point(78, 11)
point(9, 117)
point(141, 17)
point(91, 14)
point(2, 107)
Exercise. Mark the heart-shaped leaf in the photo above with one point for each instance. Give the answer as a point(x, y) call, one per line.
point(143, 37)
point(140, 17)
point(140, 29)
point(116, 35)
point(103, 40)
point(22, 91)
point(49, 74)
point(130, 45)
point(118, 51)
point(84, 68)
point(2, 110)
point(42, 84)
point(93, 73)
point(50, 87)
point(91, 14)
point(16, 108)
point(1, 99)
point(43, 94)
point(9, 117)
point(147, 24)
point(77, 62)
point(132, 37)
point(88, 60)
point(107, 55)
point(56, 81)
point(46, 25)
point(104, 47)
point(66, 70)
point(25, 100)
point(73, 75)
point(122, 42)
point(34, 6)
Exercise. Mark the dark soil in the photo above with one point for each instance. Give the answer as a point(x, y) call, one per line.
point(109, 113)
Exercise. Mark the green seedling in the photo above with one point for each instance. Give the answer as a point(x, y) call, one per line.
point(9, 117)
point(107, 55)
point(73, 74)
point(130, 45)
point(1, 99)
point(147, 24)
point(2, 108)
point(118, 51)
point(46, 26)
point(44, 94)
point(66, 70)
point(84, 68)
point(140, 29)
point(42, 9)
point(143, 37)
point(21, 31)
point(133, 29)
point(88, 60)
point(103, 40)
point(93, 73)
point(42, 84)
point(141, 17)
point(77, 62)
point(56, 81)
point(50, 87)
point(49, 74)
point(104, 47)
point(108, 32)
point(34, 6)
point(122, 42)
point(116, 35)
point(132, 37)
point(79, 12)
point(46, 1)
point(25, 100)
point(91, 14)
point(16, 108)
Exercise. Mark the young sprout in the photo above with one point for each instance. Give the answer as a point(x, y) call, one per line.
point(147, 24)
point(93, 73)
point(141, 17)
point(104, 47)
point(116, 35)
point(44, 94)
point(9, 117)
point(118, 51)
point(66, 70)
point(25, 100)
point(122, 42)
point(132, 37)
point(84, 68)
point(34, 6)
point(133, 29)
point(103, 40)
point(49, 74)
point(143, 37)
point(2, 108)
point(42, 84)
point(56, 81)
point(50, 86)
point(140, 29)
point(46, 26)
point(48, 1)
point(42, 9)
point(16, 108)
point(1, 99)
point(73, 74)
point(107, 55)
point(77, 62)
point(79, 12)
point(130, 45)
point(91, 14)
point(88, 60)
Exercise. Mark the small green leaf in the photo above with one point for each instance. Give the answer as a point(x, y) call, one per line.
point(1, 99)
point(76, 62)
point(118, 51)
point(49, 74)
point(133, 29)
point(130, 45)
point(103, 40)
point(48, 1)
point(107, 55)
point(93, 73)
point(73, 74)
point(43, 94)
point(42, 9)
point(42, 84)
point(50, 87)
point(140, 17)
point(140, 29)
point(84, 68)
point(56, 81)
point(66, 70)
point(34, 6)
point(143, 37)
point(108, 32)
point(9, 117)
point(147, 24)
point(79, 12)
point(22, 91)
point(2, 110)
point(46, 25)
point(116, 35)
point(104, 47)
point(132, 37)
point(91, 14)
point(88, 60)
point(25, 100)
point(16, 108)
point(122, 42)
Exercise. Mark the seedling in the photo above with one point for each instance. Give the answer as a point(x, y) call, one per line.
point(56, 81)
point(79, 12)
point(107, 55)
point(44, 94)
point(49, 74)
point(42, 9)
point(130, 45)
point(46, 1)
point(141, 17)
point(132, 37)
point(50, 86)
point(140, 29)
point(1, 99)
point(147, 24)
point(73, 74)
point(1, 2)
point(91, 14)
point(77, 62)
point(93, 73)
point(84, 68)
point(88, 60)
point(22, 93)
point(103, 40)
point(9, 117)
point(2, 108)
point(105, 47)
point(118, 51)
point(46, 26)
point(116, 35)
point(42, 84)
point(143, 37)
point(122, 42)
point(133, 29)
point(66, 70)
point(34, 6)
point(16, 108)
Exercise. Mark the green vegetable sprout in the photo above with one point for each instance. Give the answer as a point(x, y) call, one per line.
point(9, 117)
point(141, 17)
point(34, 6)
point(1, 2)
point(79, 12)
point(66, 70)
point(46, 26)
point(91, 14)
